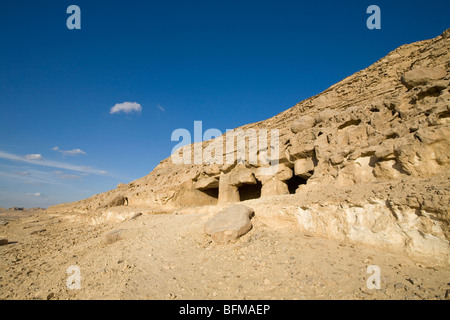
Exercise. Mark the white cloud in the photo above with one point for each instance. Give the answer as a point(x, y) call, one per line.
point(34, 157)
point(126, 107)
point(52, 164)
point(72, 152)
point(37, 194)
point(161, 108)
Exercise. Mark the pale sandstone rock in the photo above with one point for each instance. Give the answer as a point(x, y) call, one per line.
point(229, 223)
point(422, 76)
point(303, 123)
point(207, 183)
point(274, 187)
point(324, 115)
point(304, 168)
point(227, 193)
point(240, 176)
point(283, 173)
point(118, 201)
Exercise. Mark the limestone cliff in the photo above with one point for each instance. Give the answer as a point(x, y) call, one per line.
point(365, 161)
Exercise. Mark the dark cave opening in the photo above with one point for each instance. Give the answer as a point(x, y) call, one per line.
point(294, 182)
point(250, 191)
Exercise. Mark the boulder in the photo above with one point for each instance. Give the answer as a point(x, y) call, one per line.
point(118, 201)
point(304, 168)
point(240, 176)
point(422, 76)
point(113, 236)
point(303, 123)
point(283, 173)
point(324, 115)
point(230, 223)
point(274, 187)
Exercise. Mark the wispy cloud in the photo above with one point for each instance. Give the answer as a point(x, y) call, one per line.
point(66, 176)
point(70, 177)
point(34, 156)
point(22, 173)
point(126, 107)
point(160, 107)
point(37, 194)
point(34, 177)
point(49, 163)
point(72, 152)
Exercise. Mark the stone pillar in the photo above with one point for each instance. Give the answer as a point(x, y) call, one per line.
point(227, 192)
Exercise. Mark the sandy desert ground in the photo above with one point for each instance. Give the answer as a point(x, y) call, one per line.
point(168, 256)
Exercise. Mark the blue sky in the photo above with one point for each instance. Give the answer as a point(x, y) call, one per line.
point(226, 63)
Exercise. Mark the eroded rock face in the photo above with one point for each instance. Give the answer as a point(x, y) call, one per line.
point(230, 223)
point(386, 124)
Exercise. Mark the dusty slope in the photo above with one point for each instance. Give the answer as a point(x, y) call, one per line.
point(169, 257)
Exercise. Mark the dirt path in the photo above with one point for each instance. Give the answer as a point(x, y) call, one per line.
point(169, 257)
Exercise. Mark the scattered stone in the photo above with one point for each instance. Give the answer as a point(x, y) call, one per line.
point(134, 216)
point(399, 287)
point(229, 223)
point(38, 231)
point(171, 296)
point(3, 241)
point(368, 260)
point(44, 295)
point(113, 236)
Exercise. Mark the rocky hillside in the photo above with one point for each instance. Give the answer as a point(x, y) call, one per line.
point(366, 161)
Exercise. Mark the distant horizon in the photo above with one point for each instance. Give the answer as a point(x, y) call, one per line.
point(84, 110)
